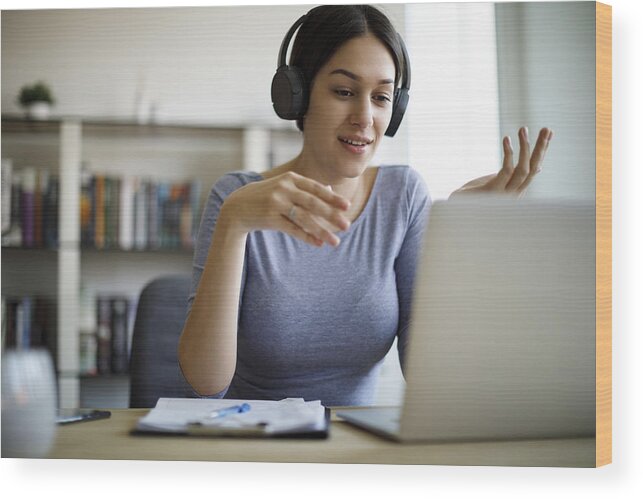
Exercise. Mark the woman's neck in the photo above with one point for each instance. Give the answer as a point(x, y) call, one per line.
point(347, 187)
point(357, 190)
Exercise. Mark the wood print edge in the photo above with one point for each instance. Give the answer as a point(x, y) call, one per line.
point(603, 234)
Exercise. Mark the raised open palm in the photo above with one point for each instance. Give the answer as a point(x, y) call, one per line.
point(513, 178)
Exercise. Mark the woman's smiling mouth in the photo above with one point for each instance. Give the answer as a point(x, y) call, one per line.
point(355, 145)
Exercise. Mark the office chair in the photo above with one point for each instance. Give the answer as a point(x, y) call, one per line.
point(154, 366)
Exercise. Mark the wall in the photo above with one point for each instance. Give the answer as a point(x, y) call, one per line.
point(546, 75)
point(453, 119)
point(182, 59)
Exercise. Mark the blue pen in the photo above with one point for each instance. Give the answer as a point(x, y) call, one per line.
point(235, 409)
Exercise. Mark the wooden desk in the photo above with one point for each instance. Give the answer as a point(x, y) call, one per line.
point(110, 439)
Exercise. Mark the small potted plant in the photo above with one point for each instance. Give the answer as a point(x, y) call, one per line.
point(37, 100)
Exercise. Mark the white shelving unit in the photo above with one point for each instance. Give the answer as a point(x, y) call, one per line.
point(69, 262)
point(174, 152)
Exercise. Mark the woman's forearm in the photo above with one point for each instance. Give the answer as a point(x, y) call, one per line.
point(208, 344)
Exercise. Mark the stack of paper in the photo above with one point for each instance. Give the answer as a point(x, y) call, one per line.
point(265, 417)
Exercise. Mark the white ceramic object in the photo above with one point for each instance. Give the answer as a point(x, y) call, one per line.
point(39, 110)
point(28, 403)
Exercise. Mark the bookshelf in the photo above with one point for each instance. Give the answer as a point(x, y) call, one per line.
point(72, 273)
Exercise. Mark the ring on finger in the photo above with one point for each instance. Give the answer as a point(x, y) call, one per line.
point(291, 213)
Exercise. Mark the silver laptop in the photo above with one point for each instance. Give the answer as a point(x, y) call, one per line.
point(502, 339)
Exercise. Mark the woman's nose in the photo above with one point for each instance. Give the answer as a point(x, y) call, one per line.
point(362, 115)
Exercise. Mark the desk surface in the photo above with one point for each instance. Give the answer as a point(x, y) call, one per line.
point(110, 439)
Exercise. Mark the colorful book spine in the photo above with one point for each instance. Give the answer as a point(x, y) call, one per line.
point(103, 335)
point(10, 320)
point(99, 212)
point(126, 222)
point(50, 213)
point(140, 215)
point(24, 338)
point(14, 236)
point(86, 209)
point(88, 354)
point(119, 333)
point(7, 170)
point(167, 218)
point(38, 209)
point(108, 210)
point(27, 205)
point(152, 216)
point(114, 211)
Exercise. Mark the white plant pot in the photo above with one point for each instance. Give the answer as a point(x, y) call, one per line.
point(29, 401)
point(38, 110)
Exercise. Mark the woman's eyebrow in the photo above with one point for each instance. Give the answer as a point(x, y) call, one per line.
point(355, 77)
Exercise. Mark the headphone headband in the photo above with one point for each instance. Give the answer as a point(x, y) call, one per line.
point(281, 61)
point(406, 74)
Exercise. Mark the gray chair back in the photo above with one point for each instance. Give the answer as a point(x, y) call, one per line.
point(154, 366)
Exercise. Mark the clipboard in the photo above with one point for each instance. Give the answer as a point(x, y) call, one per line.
point(286, 419)
point(254, 432)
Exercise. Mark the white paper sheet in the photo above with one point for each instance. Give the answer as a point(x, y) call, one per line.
point(175, 415)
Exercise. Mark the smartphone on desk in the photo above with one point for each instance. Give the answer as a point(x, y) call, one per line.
point(68, 416)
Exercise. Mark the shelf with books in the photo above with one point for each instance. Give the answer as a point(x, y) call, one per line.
point(28, 322)
point(130, 212)
point(39, 190)
point(30, 207)
point(128, 203)
point(105, 334)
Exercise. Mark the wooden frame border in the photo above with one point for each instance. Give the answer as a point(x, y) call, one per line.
point(603, 234)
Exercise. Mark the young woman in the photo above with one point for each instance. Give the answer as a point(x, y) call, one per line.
point(303, 275)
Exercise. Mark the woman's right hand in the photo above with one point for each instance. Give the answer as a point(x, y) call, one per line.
point(291, 203)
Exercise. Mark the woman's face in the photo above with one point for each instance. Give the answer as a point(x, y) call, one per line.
point(350, 108)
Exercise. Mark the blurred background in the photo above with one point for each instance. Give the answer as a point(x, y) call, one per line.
point(102, 190)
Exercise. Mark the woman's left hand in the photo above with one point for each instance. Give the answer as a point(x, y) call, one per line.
point(513, 179)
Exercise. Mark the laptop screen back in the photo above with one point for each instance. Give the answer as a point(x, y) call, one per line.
point(502, 338)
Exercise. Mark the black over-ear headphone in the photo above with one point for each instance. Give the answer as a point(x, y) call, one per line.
point(289, 90)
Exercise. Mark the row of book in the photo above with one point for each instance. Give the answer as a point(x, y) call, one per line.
point(128, 213)
point(137, 213)
point(29, 322)
point(29, 207)
point(105, 348)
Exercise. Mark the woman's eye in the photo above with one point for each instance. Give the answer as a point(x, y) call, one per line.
point(383, 98)
point(343, 93)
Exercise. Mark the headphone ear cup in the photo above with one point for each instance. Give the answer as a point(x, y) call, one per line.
point(400, 102)
point(289, 93)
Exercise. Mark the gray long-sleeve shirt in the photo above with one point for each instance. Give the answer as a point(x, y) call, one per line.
point(316, 322)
